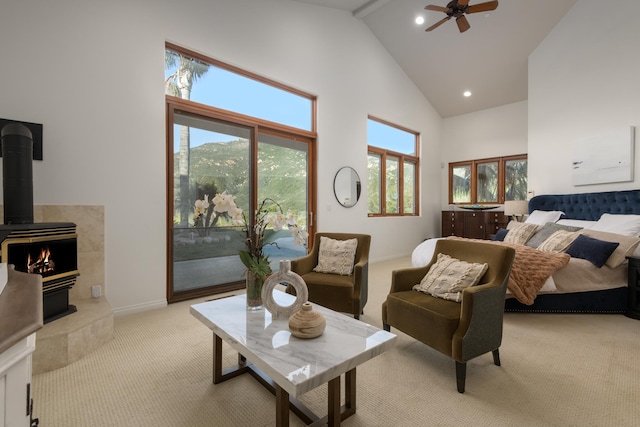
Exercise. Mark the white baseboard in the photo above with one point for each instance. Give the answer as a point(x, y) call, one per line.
point(138, 308)
point(388, 258)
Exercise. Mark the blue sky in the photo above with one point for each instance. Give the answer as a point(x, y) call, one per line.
point(237, 93)
point(233, 92)
point(385, 136)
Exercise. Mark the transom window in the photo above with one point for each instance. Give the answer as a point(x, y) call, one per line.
point(392, 169)
point(493, 180)
point(214, 83)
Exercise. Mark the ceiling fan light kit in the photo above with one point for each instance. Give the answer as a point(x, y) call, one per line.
point(457, 9)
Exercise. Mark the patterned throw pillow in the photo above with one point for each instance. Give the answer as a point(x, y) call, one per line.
point(448, 277)
point(520, 232)
point(558, 242)
point(336, 256)
point(546, 231)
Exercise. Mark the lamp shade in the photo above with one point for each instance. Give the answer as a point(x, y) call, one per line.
point(516, 207)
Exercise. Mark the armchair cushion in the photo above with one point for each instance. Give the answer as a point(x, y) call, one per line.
point(448, 277)
point(431, 320)
point(336, 256)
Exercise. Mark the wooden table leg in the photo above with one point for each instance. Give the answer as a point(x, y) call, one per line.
point(282, 407)
point(217, 359)
point(349, 393)
point(220, 376)
point(333, 403)
point(335, 412)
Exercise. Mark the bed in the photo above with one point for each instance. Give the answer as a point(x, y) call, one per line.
point(602, 229)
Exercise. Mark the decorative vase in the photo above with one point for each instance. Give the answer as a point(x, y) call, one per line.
point(285, 277)
point(254, 291)
point(307, 323)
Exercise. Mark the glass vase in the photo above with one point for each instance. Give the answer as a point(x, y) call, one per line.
point(254, 292)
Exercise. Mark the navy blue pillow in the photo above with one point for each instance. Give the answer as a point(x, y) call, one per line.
point(594, 250)
point(499, 237)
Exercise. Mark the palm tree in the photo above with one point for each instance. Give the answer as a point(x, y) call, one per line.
point(179, 84)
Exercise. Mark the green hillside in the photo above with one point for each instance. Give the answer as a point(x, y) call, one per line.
point(223, 166)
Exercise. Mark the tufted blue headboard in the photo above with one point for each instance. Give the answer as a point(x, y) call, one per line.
point(588, 206)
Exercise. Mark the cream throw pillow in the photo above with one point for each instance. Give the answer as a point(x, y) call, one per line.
point(336, 256)
point(448, 277)
point(626, 247)
point(558, 242)
point(520, 232)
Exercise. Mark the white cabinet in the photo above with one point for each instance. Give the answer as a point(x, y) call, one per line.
point(15, 383)
point(20, 317)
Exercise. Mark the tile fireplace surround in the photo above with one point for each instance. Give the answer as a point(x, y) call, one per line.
point(69, 338)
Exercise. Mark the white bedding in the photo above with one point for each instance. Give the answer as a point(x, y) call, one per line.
point(577, 276)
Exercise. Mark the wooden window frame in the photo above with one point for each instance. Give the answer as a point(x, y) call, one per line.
point(474, 177)
point(260, 126)
point(402, 159)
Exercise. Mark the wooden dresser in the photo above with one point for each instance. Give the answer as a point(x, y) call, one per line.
point(472, 224)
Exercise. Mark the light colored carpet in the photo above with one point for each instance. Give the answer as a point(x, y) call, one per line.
point(557, 370)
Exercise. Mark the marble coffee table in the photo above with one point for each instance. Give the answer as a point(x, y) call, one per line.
point(289, 366)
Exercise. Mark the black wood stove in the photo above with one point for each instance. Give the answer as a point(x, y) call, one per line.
point(48, 249)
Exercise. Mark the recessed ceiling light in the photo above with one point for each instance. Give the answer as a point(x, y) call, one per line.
point(419, 20)
point(467, 93)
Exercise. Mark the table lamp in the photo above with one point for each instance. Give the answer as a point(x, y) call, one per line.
point(516, 208)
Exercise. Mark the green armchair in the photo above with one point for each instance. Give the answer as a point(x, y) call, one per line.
point(346, 294)
point(461, 330)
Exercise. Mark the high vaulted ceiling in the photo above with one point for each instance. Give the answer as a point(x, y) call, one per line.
point(489, 60)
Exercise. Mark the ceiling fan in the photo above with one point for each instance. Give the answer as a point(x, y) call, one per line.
point(457, 9)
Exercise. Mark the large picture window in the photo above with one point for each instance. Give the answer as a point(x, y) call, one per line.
point(230, 131)
point(493, 180)
point(392, 186)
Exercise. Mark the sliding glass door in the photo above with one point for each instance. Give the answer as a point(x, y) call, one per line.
point(210, 155)
point(283, 165)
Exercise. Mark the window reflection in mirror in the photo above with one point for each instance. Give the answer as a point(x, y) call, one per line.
point(347, 186)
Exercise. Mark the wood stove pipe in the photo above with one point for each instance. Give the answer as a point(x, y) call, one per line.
point(17, 173)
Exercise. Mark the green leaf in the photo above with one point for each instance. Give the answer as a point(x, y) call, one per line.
point(258, 266)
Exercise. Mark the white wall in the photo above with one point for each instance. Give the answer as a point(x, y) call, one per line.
point(92, 73)
point(494, 132)
point(583, 82)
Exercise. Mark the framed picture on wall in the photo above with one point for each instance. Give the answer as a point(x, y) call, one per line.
point(604, 158)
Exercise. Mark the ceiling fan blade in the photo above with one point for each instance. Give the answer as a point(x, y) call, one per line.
point(437, 24)
point(462, 3)
point(437, 8)
point(483, 7)
point(463, 24)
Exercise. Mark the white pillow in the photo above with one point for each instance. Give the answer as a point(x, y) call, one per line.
point(448, 277)
point(520, 232)
point(558, 242)
point(336, 256)
point(543, 217)
point(627, 225)
point(577, 223)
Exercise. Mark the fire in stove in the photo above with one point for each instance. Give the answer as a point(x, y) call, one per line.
point(42, 264)
point(48, 249)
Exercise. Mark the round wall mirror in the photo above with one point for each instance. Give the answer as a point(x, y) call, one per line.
point(347, 186)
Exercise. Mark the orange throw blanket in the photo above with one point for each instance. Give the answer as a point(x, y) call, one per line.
point(531, 268)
